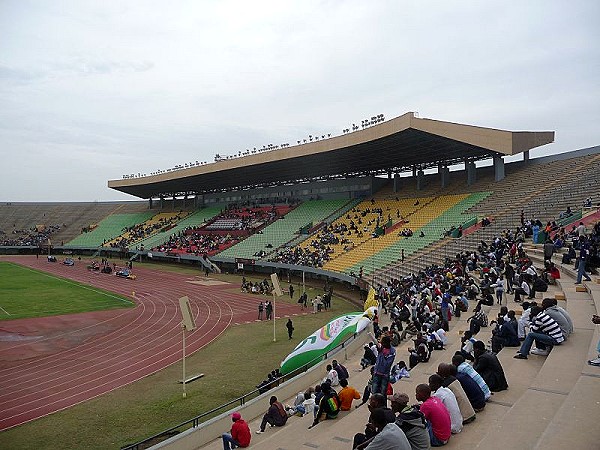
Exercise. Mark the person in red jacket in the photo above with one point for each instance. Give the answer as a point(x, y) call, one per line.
point(239, 435)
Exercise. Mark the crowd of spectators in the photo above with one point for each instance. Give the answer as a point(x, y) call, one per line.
point(227, 229)
point(34, 236)
point(420, 308)
point(142, 230)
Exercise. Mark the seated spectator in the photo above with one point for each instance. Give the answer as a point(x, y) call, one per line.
point(377, 401)
point(332, 376)
point(388, 436)
point(449, 401)
point(505, 335)
point(341, 370)
point(239, 436)
point(448, 374)
point(438, 418)
point(462, 367)
point(329, 405)
point(275, 416)
point(545, 331)
point(560, 315)
point(368, 358)
point(411, 421)
point(490, 369)
point(346, 395)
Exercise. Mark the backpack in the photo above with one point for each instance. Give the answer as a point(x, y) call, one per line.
point(540, 285)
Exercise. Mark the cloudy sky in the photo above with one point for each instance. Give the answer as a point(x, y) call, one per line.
point(91, 90)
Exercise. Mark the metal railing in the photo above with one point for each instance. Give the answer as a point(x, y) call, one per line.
point(240, 401)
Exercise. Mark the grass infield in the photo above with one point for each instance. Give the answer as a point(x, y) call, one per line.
point(26, 293)
point(233, 364)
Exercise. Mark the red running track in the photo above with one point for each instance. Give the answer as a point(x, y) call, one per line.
point(49, 364)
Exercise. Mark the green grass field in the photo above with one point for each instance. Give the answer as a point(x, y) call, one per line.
point(233, 364)
point(28, 293)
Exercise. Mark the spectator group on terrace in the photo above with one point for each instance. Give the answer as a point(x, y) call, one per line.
point(142, 230)
point(420, 308)
point(319, 250)
point(34, 236)
point(223, 231)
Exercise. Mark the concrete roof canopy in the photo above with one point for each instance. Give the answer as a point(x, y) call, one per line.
point(396, 145)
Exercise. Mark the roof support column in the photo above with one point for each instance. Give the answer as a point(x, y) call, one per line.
point(420, 180)
point(173, 204)
point(471, 172)
point(498, 168)
point(526, 156)
point(150, 203)
point(162, 202)
point(445, 176)
point(396, 182)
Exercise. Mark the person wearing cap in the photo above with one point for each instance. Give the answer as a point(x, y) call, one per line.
point(376, 401)
point(239, 436)
point(389, 435)
point(411, 421)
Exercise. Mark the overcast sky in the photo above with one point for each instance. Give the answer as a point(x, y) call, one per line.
point(91, 90)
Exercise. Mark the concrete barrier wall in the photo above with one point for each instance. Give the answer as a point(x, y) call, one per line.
point(212, 429)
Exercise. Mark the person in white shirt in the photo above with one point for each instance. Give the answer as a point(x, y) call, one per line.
point(449, 400)
point(524, 320)
point(523, 290)
point(332, 376)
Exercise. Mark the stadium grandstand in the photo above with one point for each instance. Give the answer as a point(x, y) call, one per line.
point(367, 208)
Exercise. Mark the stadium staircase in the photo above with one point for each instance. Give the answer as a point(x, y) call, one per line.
point(282, 230)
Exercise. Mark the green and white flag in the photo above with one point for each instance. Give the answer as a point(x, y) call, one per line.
point(325, 339)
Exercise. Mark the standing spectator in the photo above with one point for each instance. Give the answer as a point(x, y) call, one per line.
point(383, 366)
point(290, 328)
point(260, 310)
point(239, 435)
point(268, 309)
point(548, 250)
point(581, 261)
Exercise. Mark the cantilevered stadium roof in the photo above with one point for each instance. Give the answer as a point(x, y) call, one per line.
point(396, 145)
